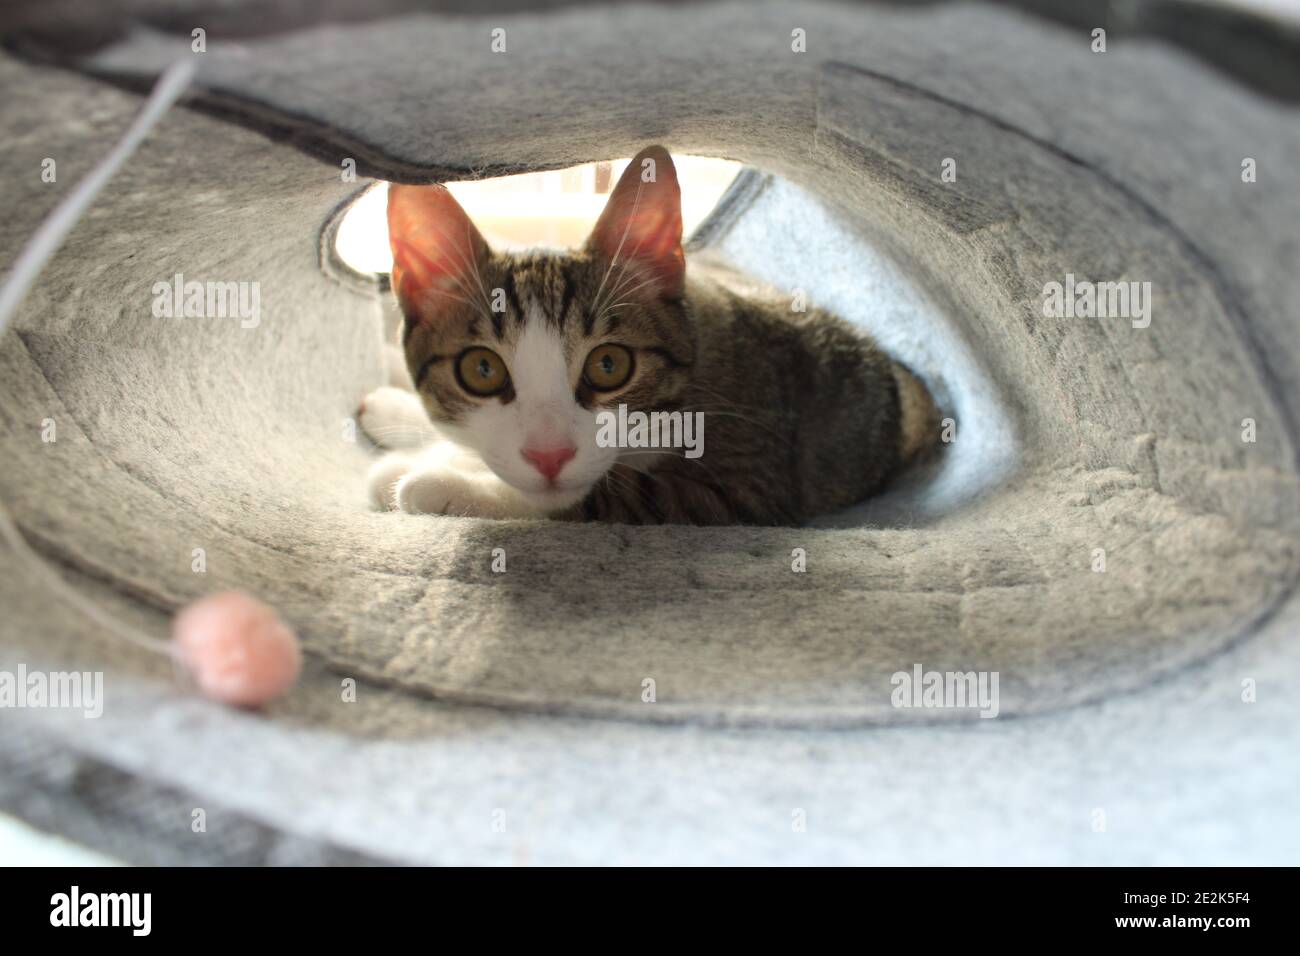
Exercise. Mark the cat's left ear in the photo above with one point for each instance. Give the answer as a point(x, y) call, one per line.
point(436, 249)
point(642, 221)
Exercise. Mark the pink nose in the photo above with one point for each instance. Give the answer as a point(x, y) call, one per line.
point(550, 461)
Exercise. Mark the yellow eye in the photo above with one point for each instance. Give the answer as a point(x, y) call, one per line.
point(481, 372)
point(607, 367)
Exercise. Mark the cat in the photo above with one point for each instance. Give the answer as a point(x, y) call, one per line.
point(514, 358)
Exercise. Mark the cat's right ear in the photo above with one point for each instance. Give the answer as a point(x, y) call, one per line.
point(437, 252)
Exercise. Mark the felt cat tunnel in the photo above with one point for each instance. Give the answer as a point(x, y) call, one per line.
point(1088, 252)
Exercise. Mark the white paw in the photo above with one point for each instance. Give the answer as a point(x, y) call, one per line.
point(394, 418)
point(441, 491)
point(444, 479)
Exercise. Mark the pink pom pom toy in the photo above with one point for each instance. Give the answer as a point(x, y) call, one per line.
point(237, 649)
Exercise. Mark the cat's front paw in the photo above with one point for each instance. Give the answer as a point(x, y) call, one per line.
point(440, 491)
point(443, 480)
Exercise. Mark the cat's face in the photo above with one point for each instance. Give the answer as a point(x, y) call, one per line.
point(514, 356)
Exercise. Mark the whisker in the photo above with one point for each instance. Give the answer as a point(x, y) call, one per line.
point(623, 239)
point(464, 262)
point(633, 487)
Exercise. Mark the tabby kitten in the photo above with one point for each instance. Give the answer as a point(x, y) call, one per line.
point(514, 357)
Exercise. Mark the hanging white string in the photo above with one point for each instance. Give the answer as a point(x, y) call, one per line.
point(27, 267)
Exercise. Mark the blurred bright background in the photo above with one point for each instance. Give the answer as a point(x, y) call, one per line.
point(22, 845)
point(555, 209)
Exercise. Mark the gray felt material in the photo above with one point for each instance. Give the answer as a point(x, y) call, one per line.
point(1072, 435)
